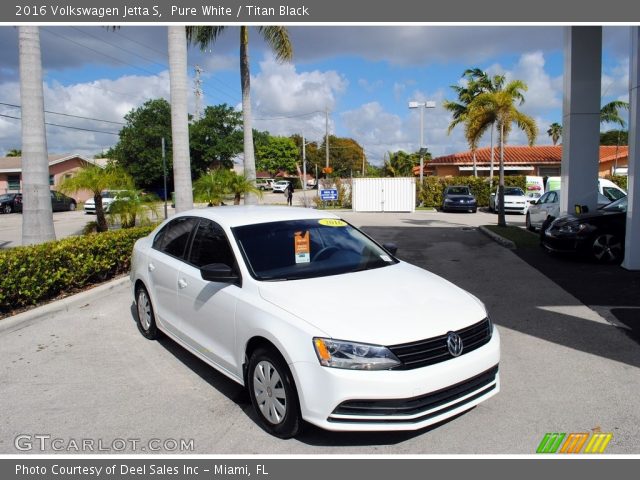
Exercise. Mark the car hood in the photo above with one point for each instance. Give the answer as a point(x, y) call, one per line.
point(385, 306)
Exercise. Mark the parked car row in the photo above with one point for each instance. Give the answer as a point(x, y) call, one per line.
point(12, 202)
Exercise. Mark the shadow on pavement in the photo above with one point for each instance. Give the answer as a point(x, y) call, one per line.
point(515, 295)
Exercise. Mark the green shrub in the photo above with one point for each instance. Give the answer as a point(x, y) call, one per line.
point(433, 187)
point(35, 273)
point(620, 180)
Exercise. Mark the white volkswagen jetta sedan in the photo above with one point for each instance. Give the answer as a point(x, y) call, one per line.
point(318, 321)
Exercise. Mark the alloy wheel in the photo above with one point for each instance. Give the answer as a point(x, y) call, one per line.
point(607, 248)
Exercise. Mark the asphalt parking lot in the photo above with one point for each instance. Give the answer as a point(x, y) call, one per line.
point(567, 364)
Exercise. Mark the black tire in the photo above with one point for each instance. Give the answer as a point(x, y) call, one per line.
point(7, 209)
point(474, 210)
point(278, 413)
point(145, 316)
point(607, 248)
point(72, 206)
point(527, 222)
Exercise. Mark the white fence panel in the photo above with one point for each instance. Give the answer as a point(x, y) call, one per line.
point(384, 194)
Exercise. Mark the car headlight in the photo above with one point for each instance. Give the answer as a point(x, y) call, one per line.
point(447, 200)
point(573, 227)
point(353, 356)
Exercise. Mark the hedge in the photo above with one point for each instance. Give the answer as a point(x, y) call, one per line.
point(35, 273)
point(431, 195)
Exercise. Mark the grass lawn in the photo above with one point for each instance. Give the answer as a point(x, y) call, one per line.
point(521, 237)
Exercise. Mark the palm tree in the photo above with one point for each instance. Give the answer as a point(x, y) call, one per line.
point(239, 185)
point(555, 132)
point(177, 40)
point(14, 152)
point(277, 38)
point(133, 206)
point(610, 112)
point(96, 180)
point(478, 81)
point(211, 186)
point(37, 214)
point(499, 107)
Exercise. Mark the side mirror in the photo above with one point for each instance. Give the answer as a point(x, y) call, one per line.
point(218, 272)
point(392, 248)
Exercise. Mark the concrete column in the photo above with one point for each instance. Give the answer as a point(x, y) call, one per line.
point(581, 117)
point(632, 240)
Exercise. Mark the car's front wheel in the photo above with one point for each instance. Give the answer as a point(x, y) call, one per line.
point(527, 222)
point(273, 393)
point(146, 317)
point(607, 248)
point(6, 209)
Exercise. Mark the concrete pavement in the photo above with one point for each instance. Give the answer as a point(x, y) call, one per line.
point(86, 372)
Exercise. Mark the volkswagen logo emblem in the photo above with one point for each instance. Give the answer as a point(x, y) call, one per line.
point(454, 344)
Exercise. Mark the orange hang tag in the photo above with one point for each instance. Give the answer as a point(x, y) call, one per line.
point(302, 247)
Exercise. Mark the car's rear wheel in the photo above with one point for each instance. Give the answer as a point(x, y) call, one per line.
point(72, 206)
point(607, 248)
point(7, 209)
point(273, 393)
point(146, 317)
point(527, 222)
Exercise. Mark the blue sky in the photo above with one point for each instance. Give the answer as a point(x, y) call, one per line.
point(364, 75)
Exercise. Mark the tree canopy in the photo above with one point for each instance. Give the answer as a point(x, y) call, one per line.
point(278, 153)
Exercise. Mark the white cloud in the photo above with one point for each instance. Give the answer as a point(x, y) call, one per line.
point(100, 99)
point(286, 101)
point(368, 86)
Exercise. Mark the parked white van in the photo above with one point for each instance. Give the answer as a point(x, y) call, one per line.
point(606, 187)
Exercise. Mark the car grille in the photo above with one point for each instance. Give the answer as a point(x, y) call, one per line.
point(472, 389)
point(434, 350)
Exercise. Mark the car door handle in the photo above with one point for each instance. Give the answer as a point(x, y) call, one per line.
point(151, 267)
point(182, 283)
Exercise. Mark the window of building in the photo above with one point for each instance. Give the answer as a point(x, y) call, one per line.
point(13, 182)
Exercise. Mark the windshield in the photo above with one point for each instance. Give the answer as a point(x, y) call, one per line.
point(297, 249)
point(458, 191)
point(513, 191)
point(618, 206)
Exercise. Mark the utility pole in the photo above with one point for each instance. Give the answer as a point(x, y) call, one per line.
point(164, 174)
point(304, 164)
point(326, 142)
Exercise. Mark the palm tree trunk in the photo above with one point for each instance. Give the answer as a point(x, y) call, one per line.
point(491, 163)
point(101, 219)
point(177, 40)
point(245, 81)
point(502, 222)
point(37, 215)
point(475, 166)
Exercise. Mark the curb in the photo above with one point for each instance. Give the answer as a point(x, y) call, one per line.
point(62, 305)
point(497, 238)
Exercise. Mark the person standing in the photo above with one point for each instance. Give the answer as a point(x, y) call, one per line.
point(289, 193)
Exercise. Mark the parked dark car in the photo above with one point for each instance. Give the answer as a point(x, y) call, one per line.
point(10, 202)
point(599, 235)
point(60, 202)
point(459, 198)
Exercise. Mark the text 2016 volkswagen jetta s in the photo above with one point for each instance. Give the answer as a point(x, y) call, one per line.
point(318, 321)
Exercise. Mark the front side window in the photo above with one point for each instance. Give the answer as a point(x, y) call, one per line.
point(612, 193)
point(296, 249)
point(174, 237)
point(210, 245)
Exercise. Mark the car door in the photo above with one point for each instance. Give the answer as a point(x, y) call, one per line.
point(208, 308)
point(537, 212)
point(164, 261)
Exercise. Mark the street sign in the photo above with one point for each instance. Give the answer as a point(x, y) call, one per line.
point(328, 194)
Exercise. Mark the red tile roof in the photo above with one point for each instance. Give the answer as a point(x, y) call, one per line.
point(519, 155)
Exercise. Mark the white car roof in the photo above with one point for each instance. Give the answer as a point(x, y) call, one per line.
point(238, 215)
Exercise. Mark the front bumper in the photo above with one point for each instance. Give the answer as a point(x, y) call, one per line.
point(348, 400)
point(460, 206)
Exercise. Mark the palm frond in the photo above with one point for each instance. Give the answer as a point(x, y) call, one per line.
point(203, 36)
point(277, 37)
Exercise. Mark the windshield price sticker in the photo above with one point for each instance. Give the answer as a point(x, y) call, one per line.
point(302, 247)
point(332, 222)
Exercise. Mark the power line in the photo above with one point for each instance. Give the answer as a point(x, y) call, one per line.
point(65, 126)
point(68, 115)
